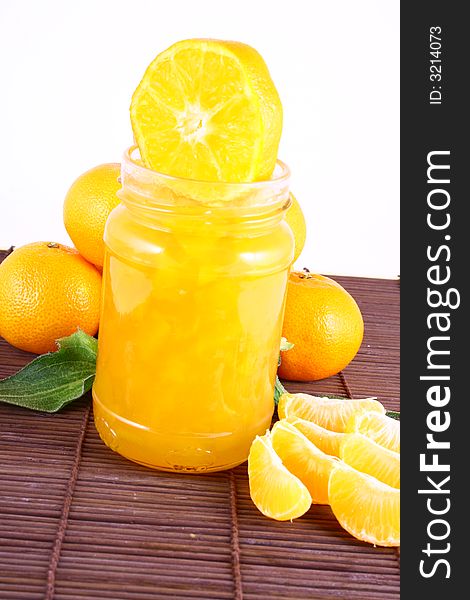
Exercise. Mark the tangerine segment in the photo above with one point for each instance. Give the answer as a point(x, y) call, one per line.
point(208, 110)
point(329, 413)
point(384, 430)
point(312, 466)
point(276, 492)
point(326, 440)
point(363, 454)
point(366, 507)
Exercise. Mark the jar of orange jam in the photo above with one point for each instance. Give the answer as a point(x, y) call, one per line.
point(194, 286)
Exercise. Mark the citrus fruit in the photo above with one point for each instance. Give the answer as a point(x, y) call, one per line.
point(365, 455)
point(379, 427)
point(364, 506)
point(325, 325)
point(296, 220)
point(87, 205)
point(208, 110)
point(276, 492)
point(303, 459)
point(47, 291)
point(328, 441)
point(329, 413)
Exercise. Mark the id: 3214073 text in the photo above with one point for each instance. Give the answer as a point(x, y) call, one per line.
point(435, 65)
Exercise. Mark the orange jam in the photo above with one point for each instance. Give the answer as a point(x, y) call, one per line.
point(194, 289)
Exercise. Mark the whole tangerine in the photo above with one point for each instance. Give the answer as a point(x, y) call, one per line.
point(324, 323)
point(296, 220)
point(90, 199)
point(47, 291)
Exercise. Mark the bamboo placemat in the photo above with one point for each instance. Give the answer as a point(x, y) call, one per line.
point(77, 521)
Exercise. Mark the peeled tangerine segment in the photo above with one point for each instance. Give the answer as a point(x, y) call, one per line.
point(329, 413)
point(324, 439)
point(384, 430)
point(276, 492)
point(312, 466)
point(367, 508)
point(365, 455)
point(208, 110)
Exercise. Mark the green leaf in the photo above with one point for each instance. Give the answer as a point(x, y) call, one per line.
point(279, 389)
point(53, 380)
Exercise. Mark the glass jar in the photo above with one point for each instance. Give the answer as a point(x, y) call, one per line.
point(194, 286)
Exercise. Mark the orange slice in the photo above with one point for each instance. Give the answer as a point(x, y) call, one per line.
point(329, 413)
point(367, 508)
point(303, 459)
point(276, 492)
point(208, 110)
point(378, 427)
point(365, 455)
point(326, 440)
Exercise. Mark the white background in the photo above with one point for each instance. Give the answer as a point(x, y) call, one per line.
point(68, 70)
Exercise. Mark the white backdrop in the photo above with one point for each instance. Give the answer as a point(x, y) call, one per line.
point(68, 70)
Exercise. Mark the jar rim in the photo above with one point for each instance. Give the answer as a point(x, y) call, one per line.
point(280, 175)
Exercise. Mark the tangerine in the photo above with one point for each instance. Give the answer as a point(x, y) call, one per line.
point(325, 325)
point(296, 220)
point(87, 205)
point(47, 291)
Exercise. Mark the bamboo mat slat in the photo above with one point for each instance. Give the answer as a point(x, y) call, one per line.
point(78, 522)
